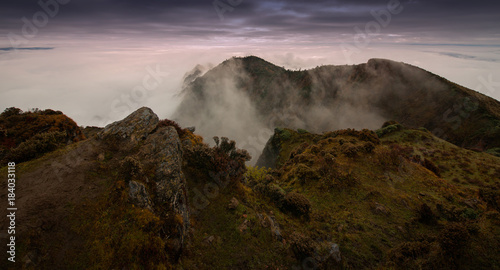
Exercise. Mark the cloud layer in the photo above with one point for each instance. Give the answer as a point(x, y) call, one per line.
point(90, 58)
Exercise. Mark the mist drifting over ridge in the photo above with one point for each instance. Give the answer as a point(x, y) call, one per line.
point(246, 98)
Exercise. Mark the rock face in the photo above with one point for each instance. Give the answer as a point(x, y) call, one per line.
point(161, 150)
point(135, 127)
point(270, 154)
point(164, 148)
point(139, 196)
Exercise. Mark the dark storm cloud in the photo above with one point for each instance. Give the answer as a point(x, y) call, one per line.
point(251, 19)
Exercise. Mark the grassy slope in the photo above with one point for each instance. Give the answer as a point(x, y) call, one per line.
point(367, 204)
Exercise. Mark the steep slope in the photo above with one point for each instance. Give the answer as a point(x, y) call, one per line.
point(246, 98)
point(116, 200)
point(147, 194)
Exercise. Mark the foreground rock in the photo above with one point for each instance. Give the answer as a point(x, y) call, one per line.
point(161, 150)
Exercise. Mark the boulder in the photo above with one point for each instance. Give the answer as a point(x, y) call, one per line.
point(134, 127)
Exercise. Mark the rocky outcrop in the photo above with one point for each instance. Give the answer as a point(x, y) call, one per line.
point(164, 148)
point(91, 131)
point(135, 127)
point(270, 154)
point(161, 150)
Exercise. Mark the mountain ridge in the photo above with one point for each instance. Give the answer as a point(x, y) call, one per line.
point(334, 97)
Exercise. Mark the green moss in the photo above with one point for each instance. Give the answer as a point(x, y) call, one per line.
point(284, 134)
point(494, 151)
point(388, 129)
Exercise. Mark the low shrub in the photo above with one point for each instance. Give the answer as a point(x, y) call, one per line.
point(18, 126)
point(304, 174)
point(130, 169)
point(368, 147)
point(454, 239)
point(37, 146)
point(431, 167)
point(221, 162)
point(389, 123)
point(426, 216)
point(170, 123)
point(302, 246)
point(276, 194)
point(350, 150)
point(393, 155)
point(297, 204)
point(284, 134)
point(343, 180)
point(255, 175)
point(494, 151)
point(491, 196)
point(470, 213)
point(364, 135)
point(407, 252)
point(388, 129)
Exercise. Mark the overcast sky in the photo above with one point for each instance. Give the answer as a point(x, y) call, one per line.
point(85, 57)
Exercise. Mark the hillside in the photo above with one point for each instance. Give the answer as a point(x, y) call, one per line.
point(145, 193)
point(27, 135)
point(406, 200)
point(245, 98)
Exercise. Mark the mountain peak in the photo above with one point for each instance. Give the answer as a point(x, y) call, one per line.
point(335, 97)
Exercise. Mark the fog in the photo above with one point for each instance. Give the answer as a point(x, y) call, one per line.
point(98, 82)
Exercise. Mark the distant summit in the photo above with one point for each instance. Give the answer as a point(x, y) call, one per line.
point(261, 96)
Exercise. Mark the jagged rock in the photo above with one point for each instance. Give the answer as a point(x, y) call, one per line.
point(233, 204)
point(134, 127)
point(138, 195)
point(275, 228)
point(163, 150)
point(271, 151)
